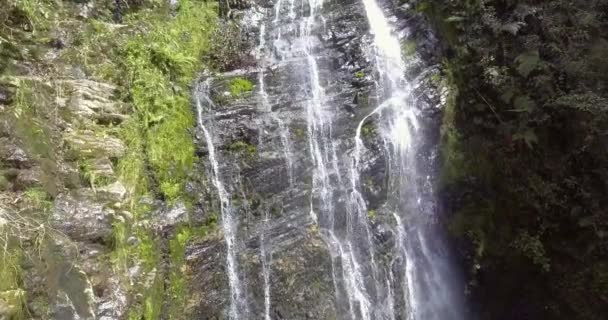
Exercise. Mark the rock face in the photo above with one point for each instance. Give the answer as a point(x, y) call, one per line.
point(86, 144)
point(95, 100)
point(285, 264)
point(82, 217)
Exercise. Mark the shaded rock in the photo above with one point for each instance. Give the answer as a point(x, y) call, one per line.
point(28, 178)
point(10, 153)
point(6, 96)
point(114, 305)
point(169, 217)
point(78, 215)
point(115, 192)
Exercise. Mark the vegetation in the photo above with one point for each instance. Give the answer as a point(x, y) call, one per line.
point(151, 51)
point(521, 137)
point(241, 146)
point(239, 86)
point(409, 48)
point(12, 295)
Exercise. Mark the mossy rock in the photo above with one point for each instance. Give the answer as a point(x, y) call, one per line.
point(86, 144)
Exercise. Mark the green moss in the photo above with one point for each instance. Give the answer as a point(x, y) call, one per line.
point(241, 146)
point(177, 281)
point(239, 86)
point(156, 71)
point(299, 133)
point(171, 153)
point(368, 130)
point(31, 104)
point(455, 165)
point(359, 75)
point(408, 48)
point(177, 291)
point(372, 214)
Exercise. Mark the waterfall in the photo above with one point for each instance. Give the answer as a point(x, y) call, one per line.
point(405, 277)
point(266, 258)
point(427, 290)
point(323, 153)
point(228, 220)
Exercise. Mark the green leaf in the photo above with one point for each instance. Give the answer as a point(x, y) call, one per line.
point(507, 95)
point(455, 19)
point(523, 104)
point(527, 62)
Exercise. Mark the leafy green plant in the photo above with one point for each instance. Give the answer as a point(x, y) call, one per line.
point(527, 62)
point(532, 247)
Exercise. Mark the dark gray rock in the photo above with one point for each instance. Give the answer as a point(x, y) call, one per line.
point(82, 218)
point(13, 155)
point(6, 96)
point(28, 178)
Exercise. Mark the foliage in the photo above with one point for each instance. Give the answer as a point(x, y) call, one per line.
point(92, 177)
point(368, 129)
point(372, 214)
point(152, 53)
point(239, 86)
point(12, 296)
point(532, 247)
point(408, 48)
point(521, 135)
point(241, 146)
point(227, 50)
point(38, 199)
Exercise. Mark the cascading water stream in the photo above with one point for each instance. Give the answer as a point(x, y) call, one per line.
point(323, 153)
point(409, 282)
point(266, 258)
point(283, 132)
point(427, 291)
point(228, 221)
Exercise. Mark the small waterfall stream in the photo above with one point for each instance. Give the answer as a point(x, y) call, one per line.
point(411, 280)
point(228, 220)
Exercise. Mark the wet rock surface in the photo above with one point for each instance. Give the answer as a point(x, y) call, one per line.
point(82, 217)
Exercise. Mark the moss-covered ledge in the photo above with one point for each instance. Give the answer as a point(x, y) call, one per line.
point(98, 96)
